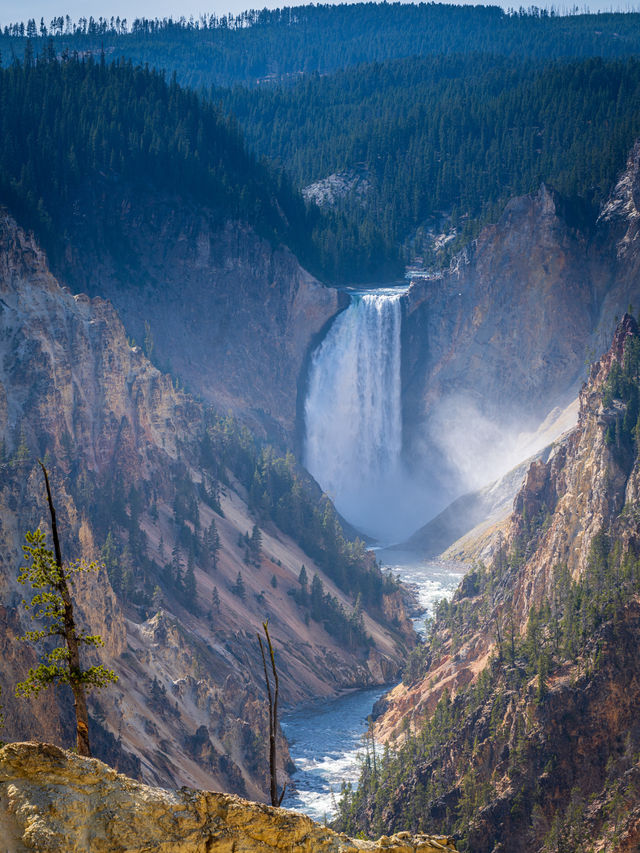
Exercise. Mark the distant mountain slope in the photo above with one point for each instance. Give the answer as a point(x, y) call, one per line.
point(66, 122)
point(450, 110)
point(446, 141)
point(518, 717)
point(69, 122)
point(203, 532)
point(260, 46)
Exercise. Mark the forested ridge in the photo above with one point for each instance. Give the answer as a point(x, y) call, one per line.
point(260, 45)
point(453, 135)
point(62, 122)
point(66, 122)
point(443, 112)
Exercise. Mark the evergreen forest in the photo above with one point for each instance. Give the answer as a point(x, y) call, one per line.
point(77, 121)
point(279, 45)
point(450, 138)
point(441, 113)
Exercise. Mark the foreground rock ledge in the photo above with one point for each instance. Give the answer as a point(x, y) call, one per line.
point(52, 800)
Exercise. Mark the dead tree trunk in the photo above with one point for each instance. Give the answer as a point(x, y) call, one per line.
point(273, 715)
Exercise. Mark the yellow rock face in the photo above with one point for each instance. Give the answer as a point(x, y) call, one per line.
point(52, 800)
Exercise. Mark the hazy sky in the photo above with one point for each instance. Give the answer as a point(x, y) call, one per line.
point(20, 10)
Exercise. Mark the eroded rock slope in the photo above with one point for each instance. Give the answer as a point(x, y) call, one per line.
point(516, 723)
point(143, 481)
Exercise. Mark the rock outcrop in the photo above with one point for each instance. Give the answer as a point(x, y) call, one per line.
point(518, 303)
point(55, 801)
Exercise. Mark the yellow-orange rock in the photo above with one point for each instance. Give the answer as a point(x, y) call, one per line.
point(52, 800)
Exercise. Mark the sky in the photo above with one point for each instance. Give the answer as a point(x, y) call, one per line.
point(12, 11)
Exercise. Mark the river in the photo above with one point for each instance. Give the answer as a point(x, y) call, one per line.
point(325, 739)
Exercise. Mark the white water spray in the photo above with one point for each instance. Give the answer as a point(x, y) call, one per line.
point(353, 414)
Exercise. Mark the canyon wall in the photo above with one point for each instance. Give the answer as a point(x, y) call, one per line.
point(138, 487)
point(496, 342)
point(210, 301)
point(518, 716)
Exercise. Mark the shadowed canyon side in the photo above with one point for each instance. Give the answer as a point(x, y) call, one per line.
point(187, 514)
point(223, 309)
point(516, 722)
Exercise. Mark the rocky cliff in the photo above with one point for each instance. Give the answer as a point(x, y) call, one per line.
point(518, 717)
point(212, 302)
point(51, 799)
point(139, 485)
point(494, 343)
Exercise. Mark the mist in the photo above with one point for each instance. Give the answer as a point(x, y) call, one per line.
point(474, 450)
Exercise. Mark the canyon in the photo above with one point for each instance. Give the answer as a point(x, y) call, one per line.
point(138, 486)
point(143, 470)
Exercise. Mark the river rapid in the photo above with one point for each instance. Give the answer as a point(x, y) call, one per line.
point(325, 739)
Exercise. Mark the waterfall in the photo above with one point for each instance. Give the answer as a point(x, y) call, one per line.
point(353, 415)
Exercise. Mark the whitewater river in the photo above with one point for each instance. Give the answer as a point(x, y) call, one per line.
point(325, 739)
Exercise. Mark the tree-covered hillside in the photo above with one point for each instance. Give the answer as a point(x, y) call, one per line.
point(440, 112)
point(455, 135)
point(258, 46)
point(66, 122)
point(63, 121)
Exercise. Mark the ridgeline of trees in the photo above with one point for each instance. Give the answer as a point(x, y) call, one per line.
point(454, 135)
point(446, 112)
point(63, 122)
point(258, 46)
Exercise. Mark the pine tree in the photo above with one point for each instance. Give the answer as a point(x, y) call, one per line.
point(212, 544)
point(215, 600)
point(190, 588)
point(255, 545)
point(52, 605)
point(239, 588)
